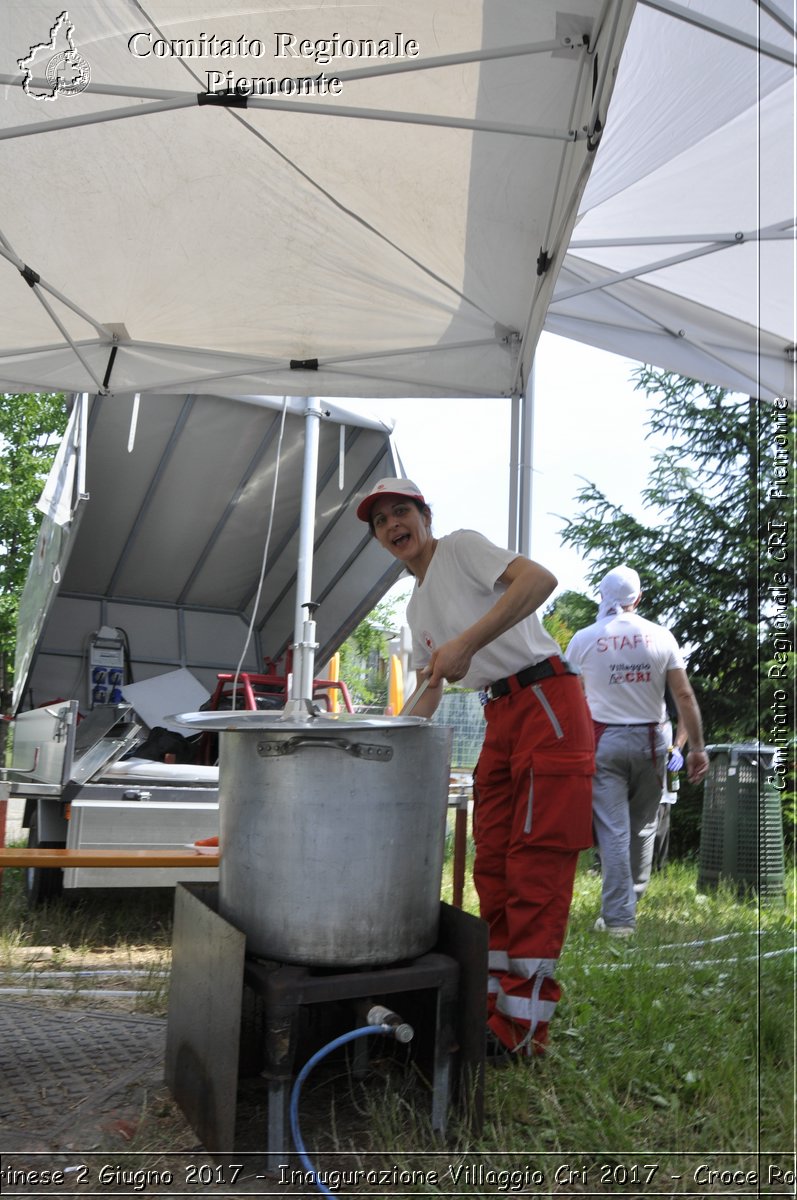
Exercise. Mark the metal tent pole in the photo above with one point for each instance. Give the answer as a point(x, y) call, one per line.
point(305, 645)
point(520, 469)
point(526, 467)
point(514, 460)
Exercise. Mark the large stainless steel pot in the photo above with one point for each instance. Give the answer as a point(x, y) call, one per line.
point(332, 833)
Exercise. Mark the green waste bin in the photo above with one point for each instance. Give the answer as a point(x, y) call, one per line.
point(741, 835)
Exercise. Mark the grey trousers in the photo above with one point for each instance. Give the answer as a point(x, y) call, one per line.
point(626, 790)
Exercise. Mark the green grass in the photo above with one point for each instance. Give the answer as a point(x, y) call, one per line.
point(674, 1048)
point(85, 930)
point(106, 919)
point(676, 1043)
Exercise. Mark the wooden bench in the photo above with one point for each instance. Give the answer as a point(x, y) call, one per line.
point(21, 856)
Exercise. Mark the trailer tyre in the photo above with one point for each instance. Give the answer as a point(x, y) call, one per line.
point(41, 883)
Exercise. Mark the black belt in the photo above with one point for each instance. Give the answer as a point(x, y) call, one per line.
point(529, 675)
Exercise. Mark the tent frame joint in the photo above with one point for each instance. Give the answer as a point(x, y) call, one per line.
point(544, 261)
point(232, 98)
point(594, 136)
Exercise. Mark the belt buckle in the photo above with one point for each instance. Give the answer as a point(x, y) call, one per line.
point(490, 692)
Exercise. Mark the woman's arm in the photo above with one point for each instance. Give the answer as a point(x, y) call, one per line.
point(428, 702)
point(528, 585)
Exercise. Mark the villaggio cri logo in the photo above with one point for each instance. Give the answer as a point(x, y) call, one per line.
point(57, 62)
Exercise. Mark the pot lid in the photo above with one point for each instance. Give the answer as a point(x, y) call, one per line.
point(290, 722)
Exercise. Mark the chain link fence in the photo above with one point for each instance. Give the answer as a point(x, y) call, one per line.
point(463, 711)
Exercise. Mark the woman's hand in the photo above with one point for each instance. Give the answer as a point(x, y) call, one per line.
point(451, 661)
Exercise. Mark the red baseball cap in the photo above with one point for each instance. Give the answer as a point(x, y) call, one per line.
point(388, 487)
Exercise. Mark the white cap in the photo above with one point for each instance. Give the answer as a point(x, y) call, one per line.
point(388, 487)
point(619, 588)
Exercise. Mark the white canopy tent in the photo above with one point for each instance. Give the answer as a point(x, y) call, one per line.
point(683, 253)
point(396, 232)
point(399, 238)
point(412, 234)
point(385, 241)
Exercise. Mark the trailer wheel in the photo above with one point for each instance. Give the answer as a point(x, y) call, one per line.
point(41, 883)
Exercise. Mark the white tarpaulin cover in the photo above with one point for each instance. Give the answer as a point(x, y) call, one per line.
point(683, 254)
point(170, 544)
point(400, 237)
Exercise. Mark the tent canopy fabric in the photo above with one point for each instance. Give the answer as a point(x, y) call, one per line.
point(399, 237)
point(683, 253)
point(386, 240)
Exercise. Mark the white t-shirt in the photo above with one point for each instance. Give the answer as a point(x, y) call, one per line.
point(624, 660)
point(459, 587)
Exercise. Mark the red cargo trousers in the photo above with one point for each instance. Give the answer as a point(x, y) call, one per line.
point(532, 816)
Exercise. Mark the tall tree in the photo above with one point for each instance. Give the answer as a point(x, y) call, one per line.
point(699, 559)
point(568, 613)
point(31, 426)
point(364, 656)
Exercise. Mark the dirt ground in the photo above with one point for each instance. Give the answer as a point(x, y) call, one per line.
point(125, 1136)
point(83, 1104)
point(78, 1112)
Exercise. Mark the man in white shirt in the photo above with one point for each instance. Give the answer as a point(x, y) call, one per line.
point(625, 662)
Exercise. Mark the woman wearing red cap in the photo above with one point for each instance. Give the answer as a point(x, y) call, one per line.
point(473, 622)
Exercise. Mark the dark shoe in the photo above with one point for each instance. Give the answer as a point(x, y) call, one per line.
point(496, 1054)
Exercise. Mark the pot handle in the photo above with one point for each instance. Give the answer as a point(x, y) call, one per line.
point(367, 750)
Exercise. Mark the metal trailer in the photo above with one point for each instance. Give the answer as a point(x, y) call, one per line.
point(156, 514)
point(79, 794)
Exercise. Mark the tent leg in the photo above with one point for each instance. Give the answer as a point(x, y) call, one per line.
point(521, 470)
point(305, 646)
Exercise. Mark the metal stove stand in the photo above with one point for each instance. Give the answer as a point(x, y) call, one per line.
point(231, 1016)
point(286, 990)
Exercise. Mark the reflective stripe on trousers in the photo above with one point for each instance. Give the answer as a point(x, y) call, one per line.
point(532, 817)
point(529, 1010)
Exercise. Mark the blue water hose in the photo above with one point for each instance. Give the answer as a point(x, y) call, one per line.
point(385, 1031)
